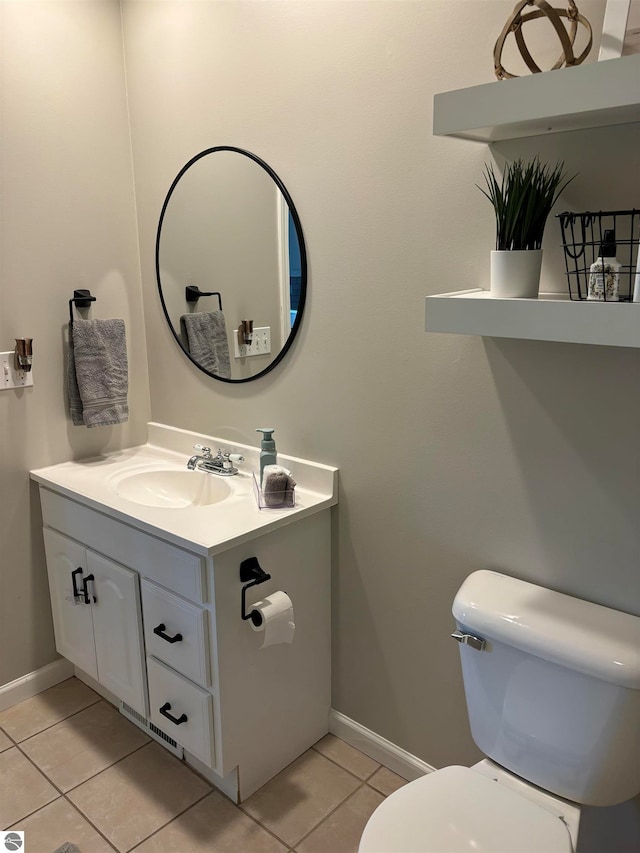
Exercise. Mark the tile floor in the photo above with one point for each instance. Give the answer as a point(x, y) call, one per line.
point(73, 769)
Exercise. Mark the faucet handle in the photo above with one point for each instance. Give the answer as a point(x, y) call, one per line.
point(206, 451)
point(228, 459)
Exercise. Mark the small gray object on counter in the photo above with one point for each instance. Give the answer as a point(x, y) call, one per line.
point(278, 487)
point(67, 847)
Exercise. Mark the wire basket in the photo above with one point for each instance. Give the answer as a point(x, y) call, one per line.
point(582, 235)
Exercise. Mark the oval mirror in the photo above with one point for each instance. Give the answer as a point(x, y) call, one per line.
point(231, 264)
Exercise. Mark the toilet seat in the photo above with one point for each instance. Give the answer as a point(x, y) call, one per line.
point(455, 810)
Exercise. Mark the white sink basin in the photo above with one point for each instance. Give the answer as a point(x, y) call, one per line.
point(150, 488)
point(174, 488)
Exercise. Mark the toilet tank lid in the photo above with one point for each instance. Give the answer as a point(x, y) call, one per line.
point(577, 634)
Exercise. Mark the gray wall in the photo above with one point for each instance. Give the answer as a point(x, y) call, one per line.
point(68, 221)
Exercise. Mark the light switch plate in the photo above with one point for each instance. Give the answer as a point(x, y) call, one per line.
point(9, 376)
point(260, 345)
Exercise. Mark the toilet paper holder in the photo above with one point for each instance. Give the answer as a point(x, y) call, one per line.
point(251, 574)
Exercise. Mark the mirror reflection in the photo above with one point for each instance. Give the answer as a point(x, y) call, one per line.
point(231, 264)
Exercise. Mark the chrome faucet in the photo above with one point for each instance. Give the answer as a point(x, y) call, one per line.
point(221, 463)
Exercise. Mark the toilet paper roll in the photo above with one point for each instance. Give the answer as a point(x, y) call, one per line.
point(277, 619)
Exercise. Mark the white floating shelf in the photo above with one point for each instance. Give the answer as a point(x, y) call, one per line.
point(551, 317)
point(587, 96)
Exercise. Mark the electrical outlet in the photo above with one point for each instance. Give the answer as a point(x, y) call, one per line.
point(260, 345)
point(9, 376)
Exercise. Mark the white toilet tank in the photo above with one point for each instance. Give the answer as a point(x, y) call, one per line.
point(554, 696)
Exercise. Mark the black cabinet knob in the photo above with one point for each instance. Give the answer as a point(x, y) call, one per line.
point(76, 592)
point(160, 631)
point(85, 591)
point(164, 710)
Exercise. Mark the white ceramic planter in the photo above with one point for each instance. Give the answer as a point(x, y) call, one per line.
point(515, 274)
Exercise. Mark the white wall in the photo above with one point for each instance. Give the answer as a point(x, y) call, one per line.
point(68, 221)
point(455, 453)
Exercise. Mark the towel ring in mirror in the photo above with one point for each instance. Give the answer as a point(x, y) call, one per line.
point(229, 235)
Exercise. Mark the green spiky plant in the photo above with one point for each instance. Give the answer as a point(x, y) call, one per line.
point(522, 201)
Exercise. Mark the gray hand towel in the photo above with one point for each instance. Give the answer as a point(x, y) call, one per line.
point(98, 373)
point(206, 335)
point(75, 403)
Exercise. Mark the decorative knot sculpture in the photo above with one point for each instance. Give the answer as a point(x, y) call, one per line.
point(566, 35)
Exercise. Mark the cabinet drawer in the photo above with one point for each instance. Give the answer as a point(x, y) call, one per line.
point(190, 706)
point(167, 564)
point(175, 632)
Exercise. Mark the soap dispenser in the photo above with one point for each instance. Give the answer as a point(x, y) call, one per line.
point(267, 449)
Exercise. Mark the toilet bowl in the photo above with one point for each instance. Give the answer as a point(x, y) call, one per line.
point(479, 809)
point(552, 685)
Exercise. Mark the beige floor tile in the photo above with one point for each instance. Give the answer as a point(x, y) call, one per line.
point(22, 788)
point(214, 825)
point(346, 756)
point(5, 743)
point(46, 709)
point(138, 795)
point(300, 796)
point(386, 781)
point(341, 831)
point(50, 827)
point(77, 748)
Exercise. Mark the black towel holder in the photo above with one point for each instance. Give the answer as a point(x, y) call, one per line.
point(81, 299)
point(192, 293)
point(251, 571)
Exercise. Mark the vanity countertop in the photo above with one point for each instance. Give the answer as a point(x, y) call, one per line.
point(206, 529)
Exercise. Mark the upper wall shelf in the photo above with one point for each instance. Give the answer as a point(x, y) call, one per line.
point(594, 95)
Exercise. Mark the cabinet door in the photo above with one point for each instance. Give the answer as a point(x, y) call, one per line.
point(72, 619)
point(117, 625)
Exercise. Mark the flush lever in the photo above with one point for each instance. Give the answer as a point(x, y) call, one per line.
point(470, 640)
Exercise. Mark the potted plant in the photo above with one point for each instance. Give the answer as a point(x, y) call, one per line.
point(522, 200)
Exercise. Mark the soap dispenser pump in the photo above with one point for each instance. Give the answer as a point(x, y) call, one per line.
point(267, 449)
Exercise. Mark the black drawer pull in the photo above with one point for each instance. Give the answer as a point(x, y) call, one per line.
point(159, 630)
point(85, 591)
point(76, 592)
point(165, 713)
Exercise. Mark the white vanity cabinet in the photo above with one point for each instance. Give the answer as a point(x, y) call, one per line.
point(96, 617)
point(165, 633)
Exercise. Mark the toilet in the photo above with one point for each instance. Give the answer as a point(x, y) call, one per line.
point(552, 685)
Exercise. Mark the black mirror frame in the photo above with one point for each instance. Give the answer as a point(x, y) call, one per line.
point(303, 260)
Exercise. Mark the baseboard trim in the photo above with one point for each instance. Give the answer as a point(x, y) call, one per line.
point(34, 682)
point(393, 757)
